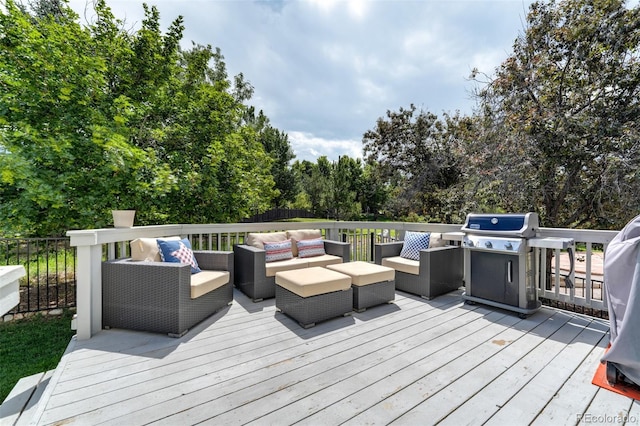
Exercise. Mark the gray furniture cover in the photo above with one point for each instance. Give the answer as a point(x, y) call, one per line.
point(622, 281)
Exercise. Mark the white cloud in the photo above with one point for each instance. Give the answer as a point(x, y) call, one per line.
point(309, 147)
point(325, 70)
point(355, 8)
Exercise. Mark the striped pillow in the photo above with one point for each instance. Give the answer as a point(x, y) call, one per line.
point(310, 248)
point(277, 250)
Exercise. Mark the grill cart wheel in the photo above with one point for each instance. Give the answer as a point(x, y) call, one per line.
point(612, 374)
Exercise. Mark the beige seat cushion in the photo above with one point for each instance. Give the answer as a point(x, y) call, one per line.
point(324, 260)
point(146, 249)
point(205, 281)
point(403, 265)
point(302, 234)
point(284, 265)
point(313, 281)
point(364, 273)
point(257, 239)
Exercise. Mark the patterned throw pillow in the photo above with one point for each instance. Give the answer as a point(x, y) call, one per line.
point(310, 248)
point(277, 250)
point(296, 235)
point(178, 251)
point(146, 249)
point(413, 243)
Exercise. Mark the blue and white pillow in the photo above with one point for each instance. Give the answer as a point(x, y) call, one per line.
point(277, 250)
point(413, 243)
point(178, 251)
point(310, 247)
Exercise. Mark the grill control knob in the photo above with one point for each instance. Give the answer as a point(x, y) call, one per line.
point(508, 246)
point(488, 244)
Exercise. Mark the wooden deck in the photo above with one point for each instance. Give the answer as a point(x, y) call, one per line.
point(414, 362)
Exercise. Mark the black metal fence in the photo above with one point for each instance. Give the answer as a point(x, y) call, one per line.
point(50, 264)
point(279, 214)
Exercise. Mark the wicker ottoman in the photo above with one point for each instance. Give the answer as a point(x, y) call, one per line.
point(372, 284)
point(314, 294)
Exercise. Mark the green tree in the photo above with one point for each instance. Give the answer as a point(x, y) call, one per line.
point(561, 115)
point(303, 171)
point(316, 185)
point(63, 154)
point(276, 144)
point(374, 190)
point(345, 180)
point(96, 118)
point(221, 168)
point(46, 8)
point(416, 157)
point(330, 189)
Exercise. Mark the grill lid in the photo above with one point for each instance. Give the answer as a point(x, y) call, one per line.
point(515, 225)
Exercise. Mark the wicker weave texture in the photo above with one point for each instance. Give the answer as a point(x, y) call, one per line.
point(441, 270)
point(423, 286)
point(251, 274)
point(374, 294)
point(216, 261)
point(155, 296)
point(310, 310)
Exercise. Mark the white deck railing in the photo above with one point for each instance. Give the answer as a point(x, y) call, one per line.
point(96, 245)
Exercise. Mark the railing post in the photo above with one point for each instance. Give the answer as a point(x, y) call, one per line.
point(373, 245)
point(332, 234)
point(89, 291)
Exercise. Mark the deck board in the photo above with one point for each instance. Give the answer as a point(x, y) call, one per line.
point(576, 393)
point(351, 370)
point(441, 396)
point(19, 397)
point(432, 363)
point(411, 362)
point(495, 396)
point(537, 392)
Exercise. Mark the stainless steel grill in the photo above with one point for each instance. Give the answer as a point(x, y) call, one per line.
point(500, 266)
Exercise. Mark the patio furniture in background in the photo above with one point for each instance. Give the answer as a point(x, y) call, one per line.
point(255, 272)
point(165, 297)
point(315, 294)
point(438, 270)
point(372, 284)
point(91, 246)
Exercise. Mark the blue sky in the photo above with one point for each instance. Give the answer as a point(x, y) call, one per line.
point(325, 70)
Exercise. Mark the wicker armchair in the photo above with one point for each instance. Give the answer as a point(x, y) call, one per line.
point(251, 273)
point(157, 296)
point(439, 270)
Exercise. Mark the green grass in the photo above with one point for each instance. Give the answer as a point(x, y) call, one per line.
point(31, 345)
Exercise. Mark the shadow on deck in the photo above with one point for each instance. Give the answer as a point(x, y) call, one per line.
point(411, 362)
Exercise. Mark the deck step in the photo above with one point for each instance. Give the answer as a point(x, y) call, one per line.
point(20, 404)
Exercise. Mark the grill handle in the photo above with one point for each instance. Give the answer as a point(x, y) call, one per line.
point(567, 280)
point(510, 272)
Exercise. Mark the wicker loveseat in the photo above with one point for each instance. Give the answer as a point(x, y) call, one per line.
point(439, 269)
point(255, 277)
point(156, 296)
